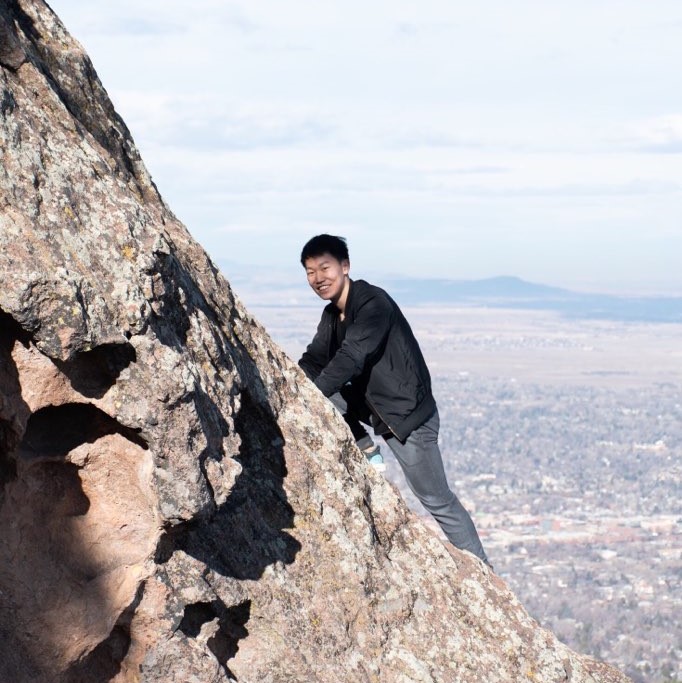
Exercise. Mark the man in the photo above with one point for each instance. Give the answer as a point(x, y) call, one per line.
point(365, 358)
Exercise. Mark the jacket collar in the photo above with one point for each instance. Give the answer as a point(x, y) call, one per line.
point(331, 309)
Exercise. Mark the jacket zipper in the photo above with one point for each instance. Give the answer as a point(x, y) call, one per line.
point(332, 326)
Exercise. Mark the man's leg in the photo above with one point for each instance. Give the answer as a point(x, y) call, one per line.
point(345, 407)
point(353, 415)
point(422, 464)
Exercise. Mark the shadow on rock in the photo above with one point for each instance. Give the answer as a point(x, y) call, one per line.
point(246, 534)
point(71, 535)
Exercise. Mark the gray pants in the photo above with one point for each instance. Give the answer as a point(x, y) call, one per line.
point(422, 464)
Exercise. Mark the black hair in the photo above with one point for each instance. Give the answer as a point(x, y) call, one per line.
point(325, 244)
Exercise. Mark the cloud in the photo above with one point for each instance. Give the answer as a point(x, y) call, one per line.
point(150, 17)
point(605, 190)
point(662, 135)
point(430, 137)
point(209, 122)
point(140, 27)
point(659, 135)
point(406, 29)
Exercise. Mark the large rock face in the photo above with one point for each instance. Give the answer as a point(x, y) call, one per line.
point(177, 501)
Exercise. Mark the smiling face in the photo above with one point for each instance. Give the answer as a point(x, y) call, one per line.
point(328, 278)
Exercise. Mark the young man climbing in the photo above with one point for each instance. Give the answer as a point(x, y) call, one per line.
point(366, 360)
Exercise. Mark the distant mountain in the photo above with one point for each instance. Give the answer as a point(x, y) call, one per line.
point(513, 292)
point(279, 287)
point(503, 287)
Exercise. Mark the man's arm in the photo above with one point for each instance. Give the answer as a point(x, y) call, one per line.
point(364, 340)
point(316, 356)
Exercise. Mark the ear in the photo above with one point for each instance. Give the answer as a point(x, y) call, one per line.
point(345, 266)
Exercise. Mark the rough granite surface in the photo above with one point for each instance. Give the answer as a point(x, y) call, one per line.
point(177, 502)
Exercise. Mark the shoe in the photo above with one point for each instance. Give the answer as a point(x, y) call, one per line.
point(375, 459)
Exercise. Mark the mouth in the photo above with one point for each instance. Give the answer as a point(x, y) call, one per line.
point(323, 288)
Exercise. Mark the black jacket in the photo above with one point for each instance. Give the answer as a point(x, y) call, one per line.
point(379, 356)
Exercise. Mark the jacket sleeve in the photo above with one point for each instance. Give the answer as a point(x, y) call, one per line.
point(316, 356)
point(365, 338)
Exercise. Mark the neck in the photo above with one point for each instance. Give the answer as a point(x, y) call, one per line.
point(340, 303)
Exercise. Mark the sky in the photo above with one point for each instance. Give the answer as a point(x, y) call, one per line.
point(445, 139)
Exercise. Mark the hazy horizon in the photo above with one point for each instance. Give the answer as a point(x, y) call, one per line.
point(293, 276)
